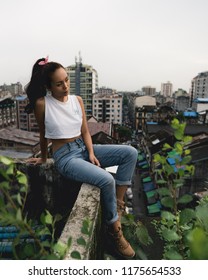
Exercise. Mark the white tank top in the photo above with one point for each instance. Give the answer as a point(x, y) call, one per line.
point(62, 119)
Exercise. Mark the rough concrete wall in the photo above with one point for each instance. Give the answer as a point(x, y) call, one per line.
point(75, 201)
point(86, 207)
point(49, 190)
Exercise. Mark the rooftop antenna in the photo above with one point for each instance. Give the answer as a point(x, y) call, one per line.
point(80, 58)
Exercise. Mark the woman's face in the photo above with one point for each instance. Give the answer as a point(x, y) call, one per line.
point(60, 84)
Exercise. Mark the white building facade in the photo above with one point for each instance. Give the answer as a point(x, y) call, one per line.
point(167, 89)
point(199, 86)
point(107, 107)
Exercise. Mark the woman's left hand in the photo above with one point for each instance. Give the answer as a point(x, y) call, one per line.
point(94, 160)
point(35, 161)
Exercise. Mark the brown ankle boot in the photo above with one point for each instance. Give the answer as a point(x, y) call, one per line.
point(121, 245)
point(121, 208)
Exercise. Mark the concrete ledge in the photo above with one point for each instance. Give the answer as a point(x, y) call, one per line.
point(74, 201)
point(86, 207)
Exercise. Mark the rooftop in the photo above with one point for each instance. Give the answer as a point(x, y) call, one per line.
point(19, 136)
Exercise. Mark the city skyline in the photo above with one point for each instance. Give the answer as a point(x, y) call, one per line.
point(131, 44)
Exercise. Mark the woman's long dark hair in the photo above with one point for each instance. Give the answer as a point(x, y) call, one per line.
point(40, 81)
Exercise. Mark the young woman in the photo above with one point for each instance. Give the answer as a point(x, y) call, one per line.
point(61, 118)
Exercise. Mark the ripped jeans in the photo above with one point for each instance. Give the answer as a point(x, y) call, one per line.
point(72, 161)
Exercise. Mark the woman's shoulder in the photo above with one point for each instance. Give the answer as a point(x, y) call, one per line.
point(79, 98)
point(76, 97)
point(40, 102)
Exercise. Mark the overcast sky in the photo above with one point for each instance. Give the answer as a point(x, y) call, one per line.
point(131, 43)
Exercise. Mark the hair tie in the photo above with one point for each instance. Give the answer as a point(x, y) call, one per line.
point(43, 62)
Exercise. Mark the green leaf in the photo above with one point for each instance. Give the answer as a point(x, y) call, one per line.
point(4, 174)
point(50, 257)
point(169, 169)
point(167, 201)
point(85, 226)
point(187, 152)
point(81, 241)
point(166, 146)
point(6, 160)
point(186, 216)
point(178, 134)
point(69, 242)
point(170, 235)
point(60, 248)
point(186, 160)
point(175, 123)
point(23, 189)
point(198, 243)
point(202, 216)
point(167, 215)
point(173, 255)
point(187, 139)
point(177, 183)
point(76, 255)
point(164, 192)
point(157, 158)
point(19, 214)
point(29, 250)
point(19, 199)
point(48, 218)
point(178, 147)
point(10, 169)
point(42, 218)
point(4, 185)
point(21, 178)
point(190, 169)
point(161, 182)
point(142, 234)
point(186, 198)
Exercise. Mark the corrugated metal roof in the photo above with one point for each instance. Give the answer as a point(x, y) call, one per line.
point(200, 100)
point(19, 136)
point(190, 114)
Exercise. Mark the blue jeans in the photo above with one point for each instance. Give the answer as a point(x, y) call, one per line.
point(72, 161)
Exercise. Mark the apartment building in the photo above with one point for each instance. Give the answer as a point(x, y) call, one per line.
point(167, 89)
point(25, 121)
point(107, 106)
point(148, 90)
point(199, 86)
point(181, 100)
point(7, 112)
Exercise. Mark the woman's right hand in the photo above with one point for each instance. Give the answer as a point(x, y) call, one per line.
point(35, 161)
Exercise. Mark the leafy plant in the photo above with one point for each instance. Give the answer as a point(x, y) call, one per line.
point(171, 168)
point(137, 233)
point(86, 230)
point(198, 237)
point(31, 239)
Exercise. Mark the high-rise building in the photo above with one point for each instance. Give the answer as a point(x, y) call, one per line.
point(148, 90)
point(199, 87)
point(167, 89)
point(83, 82)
